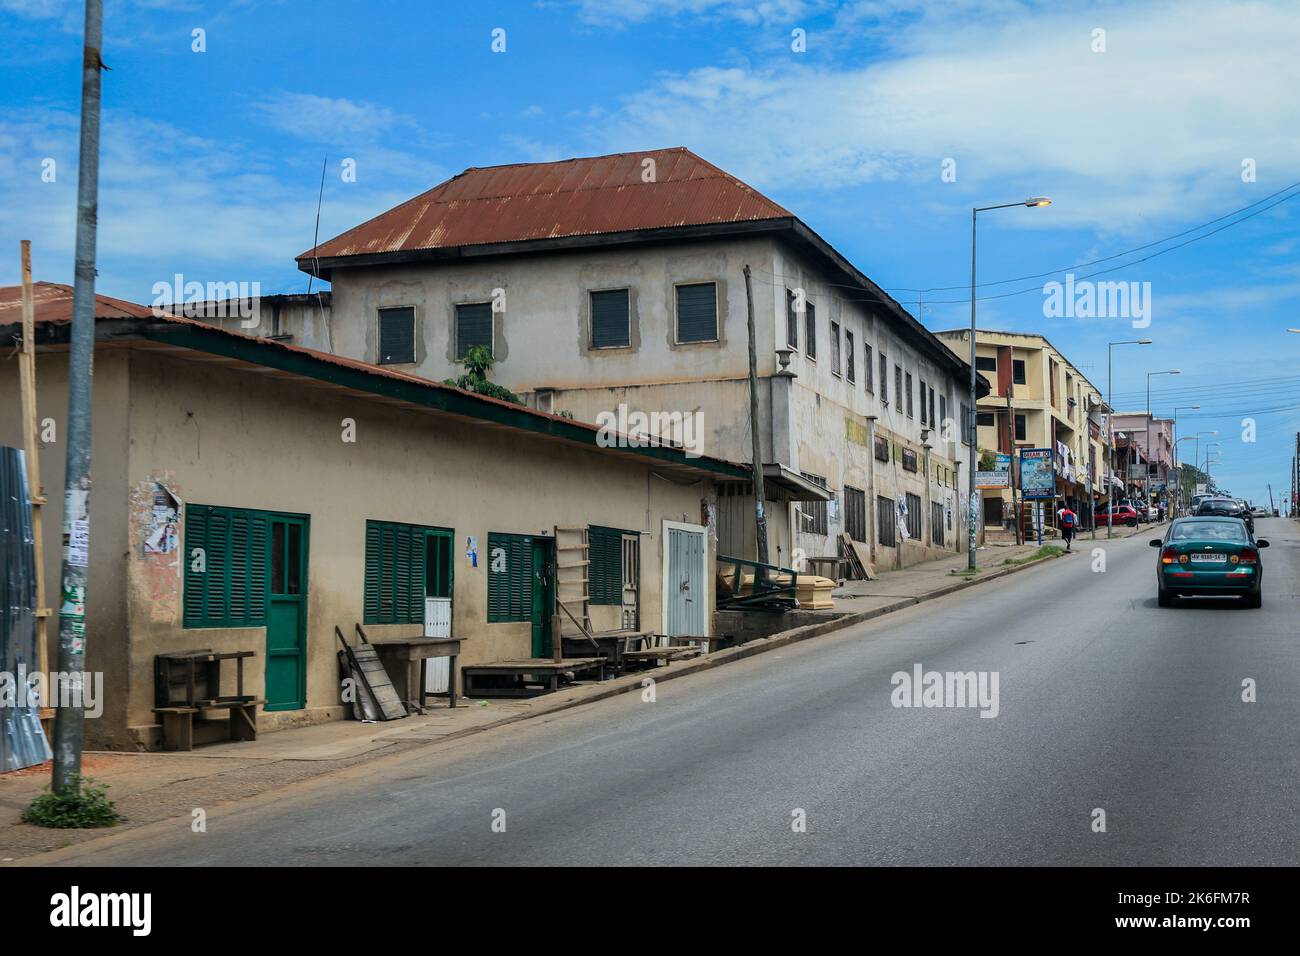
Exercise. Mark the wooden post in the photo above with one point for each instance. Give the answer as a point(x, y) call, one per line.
point(31, 450)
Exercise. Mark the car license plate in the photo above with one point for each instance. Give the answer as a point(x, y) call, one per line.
point(1211, 558)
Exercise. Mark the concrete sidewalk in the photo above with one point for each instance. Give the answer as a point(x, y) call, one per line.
point(150, 787)
point(934, 578)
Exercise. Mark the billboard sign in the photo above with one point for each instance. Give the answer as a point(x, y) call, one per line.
point(999, 477)
point(1037, 473)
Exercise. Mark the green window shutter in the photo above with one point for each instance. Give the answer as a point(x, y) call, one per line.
point(697, 312)
point(240, 560)
point(374, 571)
point(395, 566)
point(195, 588)
point(473, 327)
point(259, 571)
point(610, 319)
point(232, 591)
point(396, 336)
point(217, 600)
point(606, 568)
point(510, 577)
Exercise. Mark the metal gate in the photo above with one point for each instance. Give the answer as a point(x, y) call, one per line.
point(686, 591)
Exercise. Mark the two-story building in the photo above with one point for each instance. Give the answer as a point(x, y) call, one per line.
point(622, 286)
point(1154, 440)
point(1037, 399)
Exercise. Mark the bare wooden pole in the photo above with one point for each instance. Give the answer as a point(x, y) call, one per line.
point(31, 449)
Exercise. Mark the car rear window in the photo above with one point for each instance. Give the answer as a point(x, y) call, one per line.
point(1211, 530)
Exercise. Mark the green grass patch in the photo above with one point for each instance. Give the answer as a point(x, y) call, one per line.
point(82, 806)
point(1046, 551)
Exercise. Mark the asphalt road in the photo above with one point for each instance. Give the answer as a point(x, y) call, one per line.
point(1105, 701)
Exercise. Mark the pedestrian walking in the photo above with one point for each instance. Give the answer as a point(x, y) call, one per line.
point(1161, 508)
point(1068, 522)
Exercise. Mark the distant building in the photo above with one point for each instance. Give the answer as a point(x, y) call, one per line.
point(1037, 398)
point(1154, 437)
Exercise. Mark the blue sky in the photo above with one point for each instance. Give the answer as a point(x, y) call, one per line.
point(211, 160)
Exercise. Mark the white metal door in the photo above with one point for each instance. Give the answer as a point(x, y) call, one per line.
point(686, 591)
point(437, 623)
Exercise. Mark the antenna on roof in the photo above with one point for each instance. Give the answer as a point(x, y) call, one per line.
point(315, 239)
point(315, 236)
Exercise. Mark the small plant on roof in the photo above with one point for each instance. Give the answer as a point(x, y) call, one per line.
point(81, 805)
point(478, 362)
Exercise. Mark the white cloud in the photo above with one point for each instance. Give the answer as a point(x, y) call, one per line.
point(618, 12)
point(313, 117)
point(1155, 126)
point(34, 9)
point(171, 201)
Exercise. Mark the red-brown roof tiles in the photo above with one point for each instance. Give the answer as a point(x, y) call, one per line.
point(574, 197)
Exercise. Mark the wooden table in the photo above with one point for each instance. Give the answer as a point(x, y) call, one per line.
point(837, 565)
point(409, 654)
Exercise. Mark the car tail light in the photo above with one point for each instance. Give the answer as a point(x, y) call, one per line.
point(1248, 556)
point(1168, 556)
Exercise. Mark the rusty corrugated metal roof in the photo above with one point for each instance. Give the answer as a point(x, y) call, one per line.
point(573, 197)
point(53, 302)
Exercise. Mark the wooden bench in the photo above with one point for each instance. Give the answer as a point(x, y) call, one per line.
point(511, 678)
point(178, 722)
point(653, 655)
point(612, 645)
point(189, 682)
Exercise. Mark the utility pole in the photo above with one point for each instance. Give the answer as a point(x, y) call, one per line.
point(69, 721)
point(760, 517)
point(1011, 464)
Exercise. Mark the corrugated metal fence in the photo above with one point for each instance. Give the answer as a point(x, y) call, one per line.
point(22, 741)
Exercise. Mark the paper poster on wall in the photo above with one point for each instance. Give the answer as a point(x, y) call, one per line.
point(471, 550)
point(164, 533)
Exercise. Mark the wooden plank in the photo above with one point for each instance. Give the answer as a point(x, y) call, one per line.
point(861, 555)
point(27, 387)
point(364, 660)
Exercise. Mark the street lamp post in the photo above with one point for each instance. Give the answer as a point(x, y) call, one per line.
point(1208, 453)
point(1174, 445)
point(1110, 430)
point(972, 430)
point(1146, 479)
point(1196, 455)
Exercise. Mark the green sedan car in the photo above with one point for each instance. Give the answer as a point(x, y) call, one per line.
point(1209, 557)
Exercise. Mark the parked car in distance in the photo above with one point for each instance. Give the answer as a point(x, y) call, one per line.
point(1209, 556)
point(1259, 512)
point(1225, 508)
point(1145, 511)
point(1120, 515)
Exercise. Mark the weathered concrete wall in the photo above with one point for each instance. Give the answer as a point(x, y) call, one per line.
point(106, 616)
point(230, 438)
point(218, 436)
point(542, 338)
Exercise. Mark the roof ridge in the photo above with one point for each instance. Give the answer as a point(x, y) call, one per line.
point(575, 159)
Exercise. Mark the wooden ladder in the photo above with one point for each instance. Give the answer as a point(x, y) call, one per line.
point(572, 584)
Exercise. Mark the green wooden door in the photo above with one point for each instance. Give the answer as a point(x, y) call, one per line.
point(286, 615)
point(543, 595)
